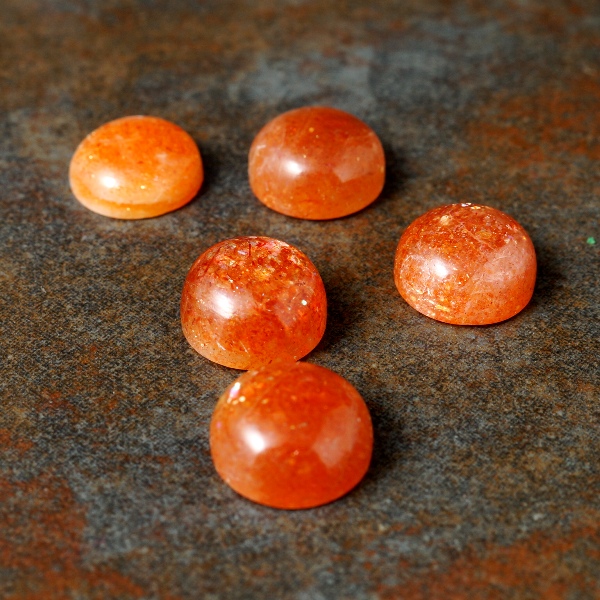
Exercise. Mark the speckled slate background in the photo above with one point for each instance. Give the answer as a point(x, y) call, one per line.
point(485, 480)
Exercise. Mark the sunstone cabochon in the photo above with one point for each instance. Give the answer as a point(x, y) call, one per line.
point(466, 264)
point(136, 167)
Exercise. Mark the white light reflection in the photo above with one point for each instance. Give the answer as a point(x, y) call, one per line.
point(255, 440)
point(440, 269)
point(223, 305)
point(292, 167)
point(109, 182)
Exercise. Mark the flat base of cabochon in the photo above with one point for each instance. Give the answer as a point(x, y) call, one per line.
point(249, 301)
point(466, 264)
point(126, 211)
point(136, 168)
point(291, 436)
point(316, 163)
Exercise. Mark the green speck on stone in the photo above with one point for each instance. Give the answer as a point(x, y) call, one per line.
point(591, 241)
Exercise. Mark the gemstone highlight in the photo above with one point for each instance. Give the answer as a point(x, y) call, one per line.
point(135, 168)
point(316, 163)
point(291, 435)
point(466, 264)
point(248, 301)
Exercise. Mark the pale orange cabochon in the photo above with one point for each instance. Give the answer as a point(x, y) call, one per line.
point(316, 163)
point(135, 168)
point(291, 435)
point(466, 264)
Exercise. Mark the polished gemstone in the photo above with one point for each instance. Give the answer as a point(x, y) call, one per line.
point(466, 264)
point(250, 300)
point(316, 163)
point(291, 435)
point(135, 168)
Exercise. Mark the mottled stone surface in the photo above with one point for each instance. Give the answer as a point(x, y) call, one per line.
point(485, 479)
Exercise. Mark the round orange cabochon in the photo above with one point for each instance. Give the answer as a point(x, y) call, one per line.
point(135, 168)
point(249, 301)
point(466, 264)
point(291, 435)
point(316, 163)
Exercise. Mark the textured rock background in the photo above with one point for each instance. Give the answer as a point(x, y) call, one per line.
point(485, 480)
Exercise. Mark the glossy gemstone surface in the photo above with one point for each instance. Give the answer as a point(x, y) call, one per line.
point(466, 264)
point(291, 436)
point(316, 163)
point(251, 300)
point(135, 168)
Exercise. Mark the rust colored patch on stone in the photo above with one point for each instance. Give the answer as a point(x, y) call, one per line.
point(526, 130)
point(41, 529)
point(8, 442)
point(535, 567)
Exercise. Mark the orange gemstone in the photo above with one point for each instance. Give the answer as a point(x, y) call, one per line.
point(316, 163)
point(250, 300)
point(135, 168)
point(291, 435)
point(466, 264)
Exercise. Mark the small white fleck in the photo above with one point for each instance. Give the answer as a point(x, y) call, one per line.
point(304, 302)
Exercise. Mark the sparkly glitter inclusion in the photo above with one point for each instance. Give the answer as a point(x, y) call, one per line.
point(135, 168)
point(291, 436)
point(316, 163)
point(466, 264)
point(251, 300)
